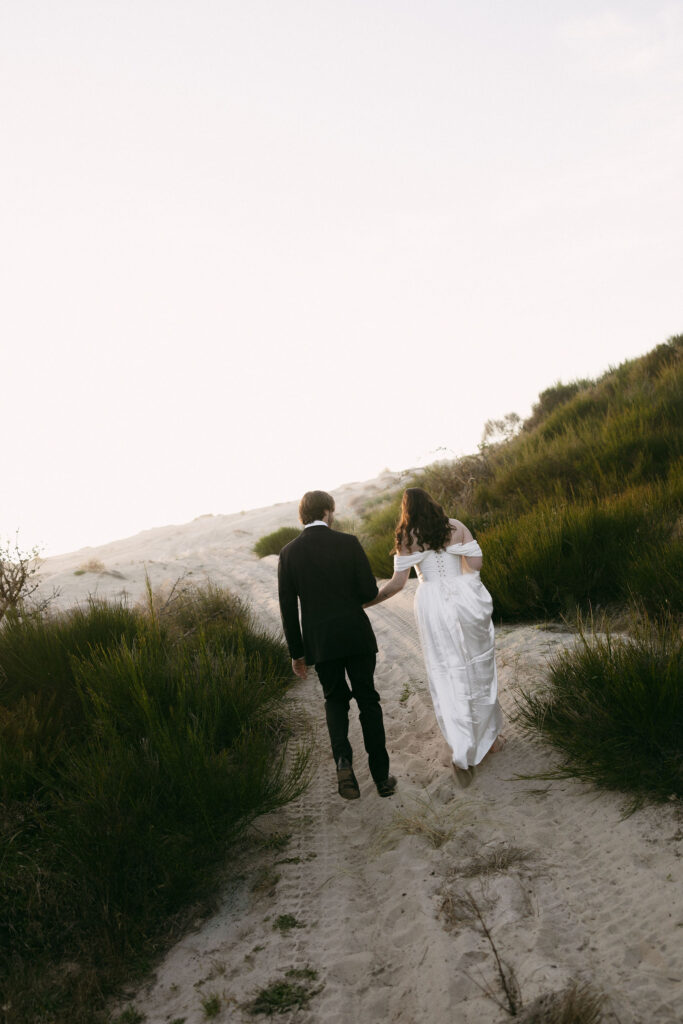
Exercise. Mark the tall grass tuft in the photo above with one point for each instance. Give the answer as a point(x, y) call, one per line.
point(135, 746)
point(614, 709)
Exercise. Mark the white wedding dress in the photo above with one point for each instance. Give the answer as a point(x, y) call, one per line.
point(453, 612)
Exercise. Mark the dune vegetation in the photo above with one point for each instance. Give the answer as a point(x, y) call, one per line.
point(135, 746)
point(273, 543)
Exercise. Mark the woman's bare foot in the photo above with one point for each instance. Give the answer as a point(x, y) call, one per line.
point(463, 776)
point(498, 744)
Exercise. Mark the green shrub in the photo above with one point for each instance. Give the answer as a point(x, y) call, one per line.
point(114, 818)
point(193, 616)
point(377, 537)
point(37, 651)
point(558, 557)
point(40, 704)
point(614, 710)
point(273, 543)
point(552, 398)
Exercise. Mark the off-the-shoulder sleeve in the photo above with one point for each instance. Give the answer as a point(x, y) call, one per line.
point(470, 550)
point(408, 561)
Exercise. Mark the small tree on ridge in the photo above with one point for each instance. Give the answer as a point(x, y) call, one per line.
point(18, 574)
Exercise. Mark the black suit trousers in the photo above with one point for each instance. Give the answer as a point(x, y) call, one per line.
point(360, 669)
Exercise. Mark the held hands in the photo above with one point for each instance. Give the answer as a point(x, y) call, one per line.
point(299, 667)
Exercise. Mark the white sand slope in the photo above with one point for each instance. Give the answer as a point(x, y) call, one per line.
point(378, 887)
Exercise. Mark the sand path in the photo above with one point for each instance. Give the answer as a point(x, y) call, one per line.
point(571, 889)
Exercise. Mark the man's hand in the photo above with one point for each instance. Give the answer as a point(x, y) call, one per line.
point(299, 667)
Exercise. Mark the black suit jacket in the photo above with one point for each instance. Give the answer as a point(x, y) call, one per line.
point(328, 573)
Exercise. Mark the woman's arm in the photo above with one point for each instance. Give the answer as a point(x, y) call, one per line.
point(461, 535)
point(391, 587)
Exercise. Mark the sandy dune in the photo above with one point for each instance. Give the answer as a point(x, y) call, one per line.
point(568, 887)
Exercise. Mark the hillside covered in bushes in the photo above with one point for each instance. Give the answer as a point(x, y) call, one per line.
point(579, 506)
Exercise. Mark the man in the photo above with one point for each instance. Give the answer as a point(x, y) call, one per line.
point(328, 573)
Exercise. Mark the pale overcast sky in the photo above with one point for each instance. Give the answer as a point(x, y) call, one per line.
point(251, 247)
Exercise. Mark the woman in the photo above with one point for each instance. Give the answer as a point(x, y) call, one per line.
point(453, 613)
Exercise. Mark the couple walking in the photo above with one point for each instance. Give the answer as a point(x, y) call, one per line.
point(327, 573)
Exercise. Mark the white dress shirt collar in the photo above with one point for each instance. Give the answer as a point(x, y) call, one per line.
point(316, 522)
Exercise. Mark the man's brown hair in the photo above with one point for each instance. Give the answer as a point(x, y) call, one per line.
point(313, 506)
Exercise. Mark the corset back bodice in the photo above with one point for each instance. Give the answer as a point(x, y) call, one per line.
point(438, 566)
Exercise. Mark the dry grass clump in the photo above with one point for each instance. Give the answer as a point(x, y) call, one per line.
point(92, 565)
point(424, 819)
point(495, 861)
point(458, 908)
point(579, 1003)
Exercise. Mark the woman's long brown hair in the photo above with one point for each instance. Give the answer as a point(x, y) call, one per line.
point(422, 520)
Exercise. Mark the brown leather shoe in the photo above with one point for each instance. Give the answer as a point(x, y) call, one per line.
point(347, 784)
point(387, 786)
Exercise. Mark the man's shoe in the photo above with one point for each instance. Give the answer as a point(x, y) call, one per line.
point(387, 786)
point(347, 784)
